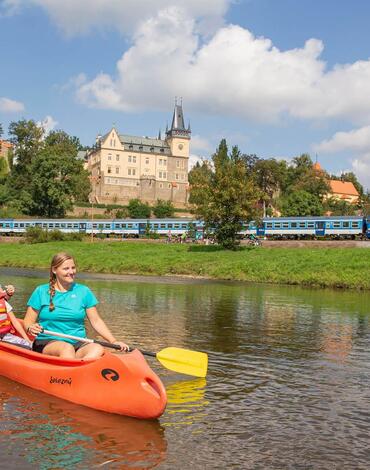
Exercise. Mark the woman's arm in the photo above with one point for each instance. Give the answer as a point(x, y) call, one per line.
point(30, 322)
point(101, 328)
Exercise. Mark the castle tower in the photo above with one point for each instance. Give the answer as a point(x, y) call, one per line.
point(178, 137)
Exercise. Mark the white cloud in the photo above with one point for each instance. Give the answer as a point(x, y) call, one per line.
point(201, 145)
point(357, 140)
point(75, 17)
point(232, 73)
point(10, 106)
point(361, 168)
point(48, 124)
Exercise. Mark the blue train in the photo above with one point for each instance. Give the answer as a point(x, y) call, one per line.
point(340, 227)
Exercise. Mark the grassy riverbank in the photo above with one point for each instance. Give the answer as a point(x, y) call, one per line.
point(319, 267)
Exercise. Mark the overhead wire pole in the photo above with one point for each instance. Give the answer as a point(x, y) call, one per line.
point(92, 180)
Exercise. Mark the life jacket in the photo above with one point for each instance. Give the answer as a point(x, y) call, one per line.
point(5, 323)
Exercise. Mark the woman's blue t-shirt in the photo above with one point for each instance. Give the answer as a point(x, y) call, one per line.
point(69, 314)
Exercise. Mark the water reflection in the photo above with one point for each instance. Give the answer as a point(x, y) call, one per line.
point(44, 432)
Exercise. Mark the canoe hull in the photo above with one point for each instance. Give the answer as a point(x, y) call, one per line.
point(116, 383)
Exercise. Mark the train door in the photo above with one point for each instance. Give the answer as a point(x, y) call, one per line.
point(320, 229)
point(82, 227)
point(142, 228)
point(261, 229)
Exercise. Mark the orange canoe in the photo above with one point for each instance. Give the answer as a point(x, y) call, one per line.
point(116, 383)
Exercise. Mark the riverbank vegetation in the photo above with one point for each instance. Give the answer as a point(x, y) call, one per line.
point(318, 267)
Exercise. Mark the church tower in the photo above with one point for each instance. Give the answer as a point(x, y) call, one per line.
point(178, 137)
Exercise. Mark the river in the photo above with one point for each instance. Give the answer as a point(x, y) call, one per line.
point(288, 384)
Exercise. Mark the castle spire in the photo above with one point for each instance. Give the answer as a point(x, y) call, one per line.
point(178, 123)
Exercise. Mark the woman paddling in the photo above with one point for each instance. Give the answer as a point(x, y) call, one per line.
point(62, 306)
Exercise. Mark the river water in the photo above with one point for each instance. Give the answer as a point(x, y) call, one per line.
point(288, 384)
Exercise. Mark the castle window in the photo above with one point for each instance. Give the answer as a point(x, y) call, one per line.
point(161, 185)
point(133, 159)
point(109, 169)
point(140, 147)
point(130, 146)
point(117, 158)
point(164, 162)
point(169, 185)
point(129, 158)
point(147, 161)
point(117, 170)
point(162, 150)
point(152, 149)
point(177, 163)
point(177, 176)
point(109, 156)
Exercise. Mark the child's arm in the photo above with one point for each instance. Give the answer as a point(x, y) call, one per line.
point(17, 325)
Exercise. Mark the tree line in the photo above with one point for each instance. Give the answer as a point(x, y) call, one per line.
point(232, 187)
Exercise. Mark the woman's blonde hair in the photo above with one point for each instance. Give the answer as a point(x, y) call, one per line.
point(57, 260)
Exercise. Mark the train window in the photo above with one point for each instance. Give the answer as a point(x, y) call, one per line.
point(57, 225)
point(15, 225)
point(95, 225)
point(129, 225)
point(345, 224)
point(163, 225)
point(38, 224)
point(156, 226)
point(268, 225)
point(310, 224)
point(185, 226)
point(277, 225)
point(44, 225)
point(21, 225)
point(355, 225)
point(69, 225)
point(327, 225)
point(176, 225)
point(169, 225)
point(302, 224)
point(293, 225)
point(285, 225)
point(336, 224)
point(75, 225)
point(107, 225)
point(63, 225)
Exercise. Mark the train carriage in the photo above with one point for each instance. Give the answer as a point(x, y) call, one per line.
point(312, 227)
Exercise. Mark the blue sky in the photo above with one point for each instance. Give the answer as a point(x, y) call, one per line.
point(276, 77)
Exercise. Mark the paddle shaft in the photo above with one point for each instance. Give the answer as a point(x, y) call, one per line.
point(96, 341)
point(84, 340)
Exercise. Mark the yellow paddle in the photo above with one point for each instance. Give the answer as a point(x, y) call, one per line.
point(179, 360)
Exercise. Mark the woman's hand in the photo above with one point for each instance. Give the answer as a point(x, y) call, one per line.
point(124, 347)
point(34, 329)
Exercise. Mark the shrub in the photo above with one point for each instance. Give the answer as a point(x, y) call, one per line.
point(163, 209)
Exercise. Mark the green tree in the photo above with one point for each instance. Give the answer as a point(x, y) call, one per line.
point(138, 209)
point(269, 175)
point(339, 207)
point(301, 203)
point(57, 176)
point(163, 209)
point(27, 138)
point(223, 195)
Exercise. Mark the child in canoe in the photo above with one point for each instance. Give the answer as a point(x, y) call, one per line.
point(9, 324)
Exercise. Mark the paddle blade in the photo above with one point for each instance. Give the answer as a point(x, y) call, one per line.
point(184, 361)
